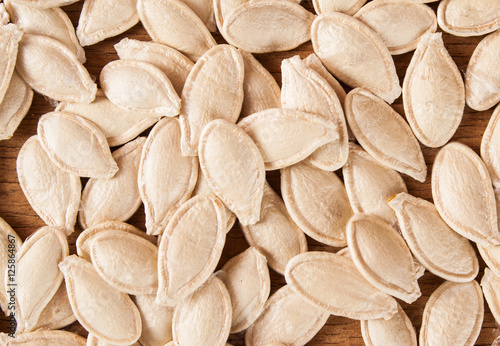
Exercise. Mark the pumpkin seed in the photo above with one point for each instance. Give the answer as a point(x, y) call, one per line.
point(204, 9)
point(10, 36)
point(156, 321)
point(490, 284)
point(43, 338)
point(135, 85)
point(14, 106)
point(349, 7)
point(45, 3)
point(207, 82)
point(458, 171)
point(490, 148)
point(312, 61)
point(433, 117)
point(352, 52)
point(234, 169)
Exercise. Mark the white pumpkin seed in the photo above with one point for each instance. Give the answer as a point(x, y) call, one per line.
point(275, 130)
point(51, 22)
point(42, 61)
point(400, 24)
point(88, 156)
point(100, 19)
point(441, 250)
point(137, 272)
point(83, 244)
point(356, 55)
point(171, 62)
point(116, 198)
point(43, 338)
point(156, 321)
point(490, 147)
point(204, 318)
point(468, 18)
point(204, 9)
point(259, 87)
point(10, 36)
point(38, 278)
point(222, 8)
point(283, 25)
point(173, 23)
point(208, 82)
point(396, 331)
point(453, 315)
point(117, 125)
point(275, 235)
point(462, 193)
point(370, 184)
point(14, 106)
point(45, 3)
point(317, 202)
point(7, 237)
point(332, 282)
point(102, 310)
point(305, 90)
point(490, 284)
point(481, 78)
point(247, 280)
point(383, 257)
point(234, 169)
point(433, 115)
point(166, 178)
point(349, 7)
point(312, 61)
point(190, 248)
point(135, 85)
point(287, 319)
point(377, 126)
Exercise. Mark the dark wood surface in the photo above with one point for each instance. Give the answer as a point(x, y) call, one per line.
point(14, 207)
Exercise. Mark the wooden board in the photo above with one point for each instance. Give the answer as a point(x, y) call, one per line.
point(14, 207)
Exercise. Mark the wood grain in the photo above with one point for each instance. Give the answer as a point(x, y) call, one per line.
point(14, 207)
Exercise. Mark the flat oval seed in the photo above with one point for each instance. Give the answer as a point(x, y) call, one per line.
point(10, 36)
point(43, 338)
point(355, 54)
point(100, 19)
point(283, 25)
point(317, 202)
point(490, 147)
point(400, 24)
point(275, 130)
point(312, 61)
point(51, 192)
point(383, 257)
point(38, 278)
point(135, 85)
point(14, 106)
point(190, 248)
point(305, 90)
point(453, 315)
point(433, 116)
point(173, 23)
point(137, 272)
point(204, 318)
point(482, 77)
point(45, 3)
point(117, 125)
point(370, 184)
point(204, 10)
point(116, 198)
point(156, 321)
point(434, 244)
point(83, 244)
point(248, 283)
point(398, 330)
point(481, 17)
point(287, 319)
point(51, 22)
point(43, 60)
point(462, 192)
point(166, 178)
point(259, 87)
point(102, 310)
point(208, 82)
point(88, 156)
point(171, 62)
point(333, 283)
point(275, 235)
point(375, 124)
point(490, 284)
point(7, 237)
point(92, 340)
point(234, 169)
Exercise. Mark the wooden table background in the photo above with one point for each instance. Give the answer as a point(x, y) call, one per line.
point(14, 207)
